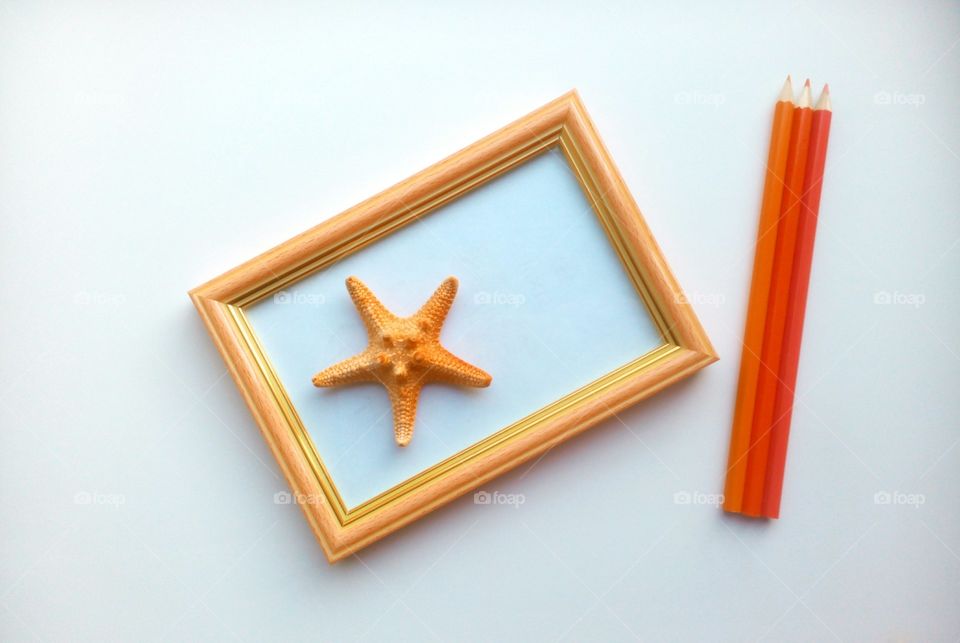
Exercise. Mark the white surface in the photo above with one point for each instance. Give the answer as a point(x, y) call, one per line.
point(147, 147)
point(544, 306)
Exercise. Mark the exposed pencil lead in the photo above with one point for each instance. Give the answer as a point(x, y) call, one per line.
point(806, 100)
point(807, 84)
point(824, 101)
point(786, 94)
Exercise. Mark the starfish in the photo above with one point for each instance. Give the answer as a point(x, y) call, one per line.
point(403, 354)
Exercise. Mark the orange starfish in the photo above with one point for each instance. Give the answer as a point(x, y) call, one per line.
point(404, 353)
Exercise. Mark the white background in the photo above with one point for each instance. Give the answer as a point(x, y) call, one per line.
point(146, 147)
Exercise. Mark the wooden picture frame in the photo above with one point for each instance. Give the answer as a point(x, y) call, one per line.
point(562, 123)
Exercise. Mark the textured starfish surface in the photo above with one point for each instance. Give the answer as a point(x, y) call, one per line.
point(403, 354)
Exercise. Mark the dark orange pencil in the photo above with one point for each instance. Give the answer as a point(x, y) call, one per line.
point(759, 294)
point(799, 285)
point(777, 306)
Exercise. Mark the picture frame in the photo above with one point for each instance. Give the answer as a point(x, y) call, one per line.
point(562, 124)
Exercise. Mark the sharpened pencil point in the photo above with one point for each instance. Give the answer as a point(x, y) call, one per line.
point(806, 100)
point(824, 101)
point(786, 94)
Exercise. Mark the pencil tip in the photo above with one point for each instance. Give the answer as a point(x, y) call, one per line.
point(824, 101)
point(786, 94)
point(807, 84)
point(806, 100)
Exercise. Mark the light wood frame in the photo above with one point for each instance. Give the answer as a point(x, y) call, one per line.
point(562, 123)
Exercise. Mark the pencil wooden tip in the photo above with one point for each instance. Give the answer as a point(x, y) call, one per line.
point(806, 100)
point(824, 101)
point(786, 94)
point(807, 84)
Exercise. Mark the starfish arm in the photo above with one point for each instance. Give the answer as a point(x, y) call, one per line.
point(444, 366)
point(351, 370)
point(403, 354)
point(403, 399)
point(372, 312)
point(432, 314)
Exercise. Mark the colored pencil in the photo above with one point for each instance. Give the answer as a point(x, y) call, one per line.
point(799, 282)
point(759, 294)
point(777, 306)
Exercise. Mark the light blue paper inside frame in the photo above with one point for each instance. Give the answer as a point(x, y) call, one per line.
point(544, 306)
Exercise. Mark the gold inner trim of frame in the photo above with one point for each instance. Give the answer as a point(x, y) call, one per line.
point(408, 213)
point(405, 213)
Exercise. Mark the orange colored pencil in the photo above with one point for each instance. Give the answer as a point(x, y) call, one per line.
point(759, 294)
point(799, 282)
point(777, 306)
